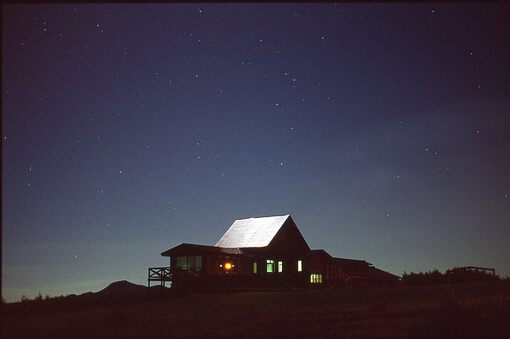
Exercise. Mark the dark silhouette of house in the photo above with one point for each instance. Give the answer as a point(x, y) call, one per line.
point(263, 252)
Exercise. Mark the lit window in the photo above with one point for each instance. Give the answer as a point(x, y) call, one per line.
point(181, 262)
point(280, 266)
point(299, 266)
point(190, 264)
point(315, 278)
point(270, 266)
point(254, 267)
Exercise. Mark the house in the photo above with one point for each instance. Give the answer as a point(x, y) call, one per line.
point(263, 252)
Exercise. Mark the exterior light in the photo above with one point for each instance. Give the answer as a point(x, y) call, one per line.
point(228, 266)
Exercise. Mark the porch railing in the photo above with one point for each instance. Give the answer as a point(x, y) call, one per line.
point(159, 274)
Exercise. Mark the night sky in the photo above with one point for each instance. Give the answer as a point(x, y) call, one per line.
point(128, 129)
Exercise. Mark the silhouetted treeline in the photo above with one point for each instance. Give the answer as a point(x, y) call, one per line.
point(458, 276)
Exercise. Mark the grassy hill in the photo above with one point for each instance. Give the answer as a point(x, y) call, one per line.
point(470, 310)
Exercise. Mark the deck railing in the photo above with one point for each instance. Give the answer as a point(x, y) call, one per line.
point(159, 274)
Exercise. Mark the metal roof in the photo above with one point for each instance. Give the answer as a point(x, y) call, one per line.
point(252, 232)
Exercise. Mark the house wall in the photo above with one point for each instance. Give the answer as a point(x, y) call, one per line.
point(288, 240)
point(280, 268)
point(227, 270)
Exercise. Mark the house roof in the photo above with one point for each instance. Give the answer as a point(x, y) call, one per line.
point(321, 253)
point(198, 249)
point(252, 232)
point(381, 274)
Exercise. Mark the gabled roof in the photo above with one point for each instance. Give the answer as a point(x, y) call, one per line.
point(252, 232)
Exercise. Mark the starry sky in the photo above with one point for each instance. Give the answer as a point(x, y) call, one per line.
point(383, 129)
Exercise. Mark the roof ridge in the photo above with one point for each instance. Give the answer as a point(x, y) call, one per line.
point(257, 217)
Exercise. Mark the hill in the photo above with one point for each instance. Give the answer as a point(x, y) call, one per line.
point(123, 288)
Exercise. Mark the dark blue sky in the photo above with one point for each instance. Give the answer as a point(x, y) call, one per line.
point(127, 129)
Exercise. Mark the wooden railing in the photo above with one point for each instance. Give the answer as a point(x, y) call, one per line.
point(160, 274)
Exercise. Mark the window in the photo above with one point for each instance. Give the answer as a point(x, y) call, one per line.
point(254, 267)
point(190, 264)
point(315, 278)
point(280, 266)
point(195, 261)
point(270, 266)
point(299, 266)
point(182, 262)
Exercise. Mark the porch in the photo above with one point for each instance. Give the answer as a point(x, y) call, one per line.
point(159, 274)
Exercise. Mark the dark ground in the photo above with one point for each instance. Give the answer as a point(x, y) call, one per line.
point(467, 311)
